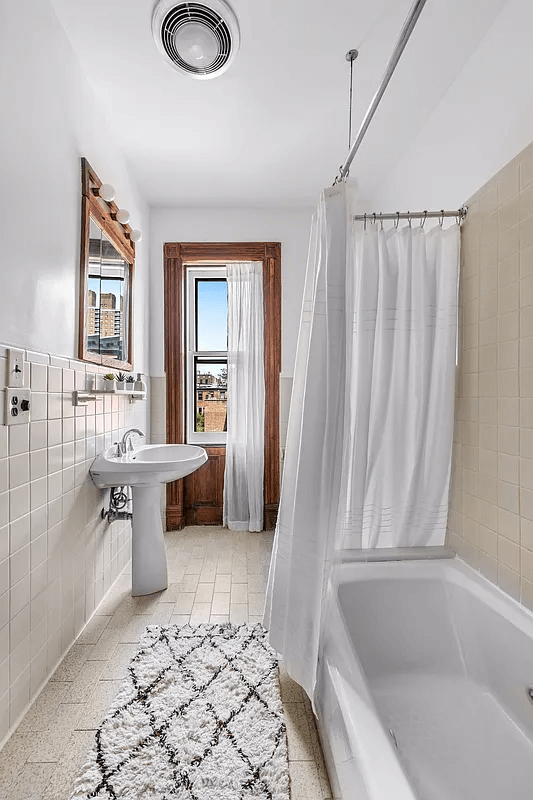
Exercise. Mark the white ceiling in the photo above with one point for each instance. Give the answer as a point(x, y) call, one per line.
point(273, 129)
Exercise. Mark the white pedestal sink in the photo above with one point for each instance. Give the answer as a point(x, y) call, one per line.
point(145, 470)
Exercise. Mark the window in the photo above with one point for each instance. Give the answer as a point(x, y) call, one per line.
point(178, 258)
point(207, 354)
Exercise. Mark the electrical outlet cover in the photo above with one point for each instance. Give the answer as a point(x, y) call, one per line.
point(18, 402)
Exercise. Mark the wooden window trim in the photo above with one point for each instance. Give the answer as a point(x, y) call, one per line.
point(176, 256)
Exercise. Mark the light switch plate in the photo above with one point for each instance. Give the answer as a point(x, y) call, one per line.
point(18, 403)
point(15, 367)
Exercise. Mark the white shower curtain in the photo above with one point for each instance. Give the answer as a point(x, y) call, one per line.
point(243, 477)
point(401, 345)
point(311, 474)
point(370, 429)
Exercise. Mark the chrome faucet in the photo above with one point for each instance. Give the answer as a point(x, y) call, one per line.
point(126, 445)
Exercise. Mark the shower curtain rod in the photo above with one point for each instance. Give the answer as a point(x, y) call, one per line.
point(408, 27)
point(460, 214)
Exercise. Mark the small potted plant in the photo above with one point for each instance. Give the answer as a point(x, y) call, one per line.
point(130, 380)
point(109, 382)
point(121, 380)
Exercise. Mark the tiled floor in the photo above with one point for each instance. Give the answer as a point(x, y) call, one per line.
point(214, 576)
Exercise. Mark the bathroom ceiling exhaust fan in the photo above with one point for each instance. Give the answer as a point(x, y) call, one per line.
point(198, 39)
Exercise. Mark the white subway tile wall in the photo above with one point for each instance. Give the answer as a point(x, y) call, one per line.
point(490, 522)
point(58, 559)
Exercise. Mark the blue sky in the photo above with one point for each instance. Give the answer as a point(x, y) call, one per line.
point(212, 315)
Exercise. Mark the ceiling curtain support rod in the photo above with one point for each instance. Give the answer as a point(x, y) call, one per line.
point(408, 27)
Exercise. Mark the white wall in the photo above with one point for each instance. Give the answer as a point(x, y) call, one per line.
point(57, 557)
point(289, 226)
point(483, 121)
point(49, 120)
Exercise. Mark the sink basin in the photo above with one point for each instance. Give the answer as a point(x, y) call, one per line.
point(145, 470)
point(149, 465)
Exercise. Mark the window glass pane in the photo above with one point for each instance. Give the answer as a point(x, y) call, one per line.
point(114, 278)
point(211, 392)
point(211, 314)
point(107, 297)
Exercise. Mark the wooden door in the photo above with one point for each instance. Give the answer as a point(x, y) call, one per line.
point(203, 490)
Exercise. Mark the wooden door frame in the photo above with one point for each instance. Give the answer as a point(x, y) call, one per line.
point(176, 256)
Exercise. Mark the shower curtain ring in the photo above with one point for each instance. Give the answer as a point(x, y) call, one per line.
point(423, 220)
point(338, 179)
point(409, 218)
point(397, 221)
point(365, 222)
point(375, 217)
point(441, 218)
point(381, 220)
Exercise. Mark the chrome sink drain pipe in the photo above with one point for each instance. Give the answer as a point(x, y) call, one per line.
point(119, 500)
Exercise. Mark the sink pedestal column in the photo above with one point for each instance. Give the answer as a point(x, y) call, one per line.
point(148, 556)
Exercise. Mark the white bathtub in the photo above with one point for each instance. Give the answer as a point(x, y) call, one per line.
point(442, 658)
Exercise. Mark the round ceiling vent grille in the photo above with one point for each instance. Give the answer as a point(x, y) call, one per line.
point(200, 39)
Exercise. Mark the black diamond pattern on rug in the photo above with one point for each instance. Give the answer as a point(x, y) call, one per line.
point(199, 717)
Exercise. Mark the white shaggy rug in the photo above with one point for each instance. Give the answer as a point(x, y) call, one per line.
point(198, 718)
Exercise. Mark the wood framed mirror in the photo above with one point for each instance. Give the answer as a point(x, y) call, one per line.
point(106, 279)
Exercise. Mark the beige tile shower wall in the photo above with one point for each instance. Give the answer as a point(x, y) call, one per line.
point(58, 558)
point(490, 521)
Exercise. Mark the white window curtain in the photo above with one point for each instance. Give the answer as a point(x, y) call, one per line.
point(370, 433)
point(243, 478)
